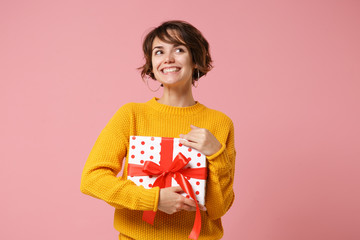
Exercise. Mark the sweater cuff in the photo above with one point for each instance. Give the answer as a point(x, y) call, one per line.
point(157, 196)
point(221, 157)
point(150, 198)
point(215, 155)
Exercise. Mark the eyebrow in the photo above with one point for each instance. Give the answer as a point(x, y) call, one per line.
point(175, 45)
point(157, 47)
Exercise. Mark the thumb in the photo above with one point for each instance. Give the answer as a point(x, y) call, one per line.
point(193, 127)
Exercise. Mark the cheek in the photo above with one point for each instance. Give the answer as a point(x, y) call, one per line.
point(154, 64)
point(186, 60)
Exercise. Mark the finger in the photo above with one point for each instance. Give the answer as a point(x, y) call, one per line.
point(192, 137)
point(176, 189)
point(188, 144)
point(189, 208)
point(184, 136)
point(193, 208)
point(194, 130)
point(202, 207)
point(190, 202)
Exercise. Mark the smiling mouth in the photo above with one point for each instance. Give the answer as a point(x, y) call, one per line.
point(168, 70)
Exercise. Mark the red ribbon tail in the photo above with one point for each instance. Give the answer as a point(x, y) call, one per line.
point(186, 186)
point(195, 232)
point(149, 216)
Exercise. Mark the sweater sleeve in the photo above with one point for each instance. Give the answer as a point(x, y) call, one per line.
point(221, 166)
point(99, 178)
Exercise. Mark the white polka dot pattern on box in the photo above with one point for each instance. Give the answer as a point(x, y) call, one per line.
point(143, 148)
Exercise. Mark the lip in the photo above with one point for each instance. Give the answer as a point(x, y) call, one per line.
point(162, 69)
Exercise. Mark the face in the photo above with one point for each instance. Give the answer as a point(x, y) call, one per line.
point(172, 64)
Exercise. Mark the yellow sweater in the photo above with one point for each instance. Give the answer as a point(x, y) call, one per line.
point(99, 177)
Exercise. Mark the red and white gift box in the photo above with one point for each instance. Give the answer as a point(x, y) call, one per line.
point(143, 149)
point(165, 162)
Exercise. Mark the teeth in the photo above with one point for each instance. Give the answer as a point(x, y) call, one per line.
point(166, 70)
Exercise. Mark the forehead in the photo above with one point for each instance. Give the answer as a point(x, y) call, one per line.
point(171, 37)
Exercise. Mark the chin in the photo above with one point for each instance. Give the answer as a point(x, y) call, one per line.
point(170, 81)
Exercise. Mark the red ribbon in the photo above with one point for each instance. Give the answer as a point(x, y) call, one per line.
point(167, 170)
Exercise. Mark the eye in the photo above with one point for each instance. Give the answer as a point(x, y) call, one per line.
point(179, 50)
point(158, 52)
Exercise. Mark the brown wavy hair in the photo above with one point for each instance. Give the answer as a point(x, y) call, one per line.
point(186, 35)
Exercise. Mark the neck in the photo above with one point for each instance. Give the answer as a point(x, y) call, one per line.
point(177, 97)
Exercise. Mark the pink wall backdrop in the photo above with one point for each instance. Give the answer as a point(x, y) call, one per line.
point(286, 72)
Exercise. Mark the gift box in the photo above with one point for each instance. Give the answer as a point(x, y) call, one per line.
point(165, 162)
point(162, 152)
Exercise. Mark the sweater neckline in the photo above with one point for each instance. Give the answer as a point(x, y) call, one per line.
point(175, 110)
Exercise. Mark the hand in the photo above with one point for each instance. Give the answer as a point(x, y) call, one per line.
point(202, 140)
point(171, 201)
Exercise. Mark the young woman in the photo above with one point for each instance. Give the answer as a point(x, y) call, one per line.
point(177, 56)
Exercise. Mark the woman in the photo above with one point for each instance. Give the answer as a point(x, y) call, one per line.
point(176, 55)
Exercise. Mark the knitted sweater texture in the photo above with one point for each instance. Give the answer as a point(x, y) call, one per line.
point(110, 153)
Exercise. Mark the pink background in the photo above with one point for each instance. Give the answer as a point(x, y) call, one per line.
point(286, 72)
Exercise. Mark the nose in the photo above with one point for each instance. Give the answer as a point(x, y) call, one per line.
point(169, 58)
